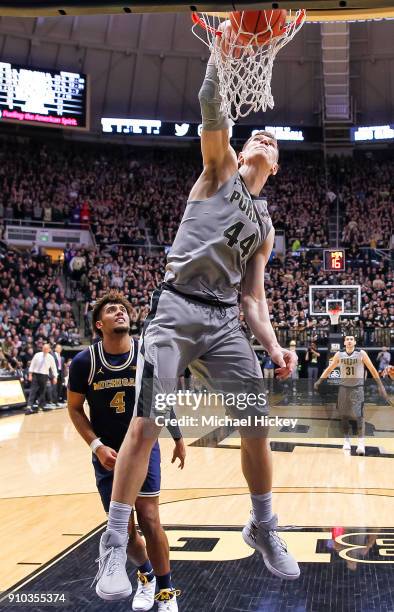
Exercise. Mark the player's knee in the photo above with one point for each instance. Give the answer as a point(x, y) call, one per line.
point(254, 436)
point(148, 517)
point(143, 432)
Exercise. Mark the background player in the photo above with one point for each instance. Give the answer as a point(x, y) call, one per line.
point(350, 400)
point(225, 239)
point(104, 374)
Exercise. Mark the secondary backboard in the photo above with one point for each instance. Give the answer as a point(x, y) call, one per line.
point(321, 297)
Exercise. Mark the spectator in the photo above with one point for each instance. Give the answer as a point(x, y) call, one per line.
point(58, 387)
point(312, 358)
point(383, 359)
point(42, 368)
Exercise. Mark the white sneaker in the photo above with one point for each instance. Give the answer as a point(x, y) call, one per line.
point(346, 445)
point(112, 580)
point(144, 599)
point(360, 450)
point(166, 600)
point(264, 538)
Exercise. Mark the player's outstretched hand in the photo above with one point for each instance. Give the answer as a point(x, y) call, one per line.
point(179, 453)
point(107, 457)
point(316, 386)
point(383, 393)
point(389, 371)
point(286, 360)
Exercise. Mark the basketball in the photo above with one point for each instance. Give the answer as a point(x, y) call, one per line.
point(258, 26)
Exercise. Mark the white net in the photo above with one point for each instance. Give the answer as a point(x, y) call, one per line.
point(244, 61)
point(334, 316)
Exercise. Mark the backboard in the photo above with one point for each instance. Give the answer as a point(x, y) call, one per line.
point(322, 297)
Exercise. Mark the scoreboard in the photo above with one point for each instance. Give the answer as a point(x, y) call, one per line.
point(334, 260)
point(54, 98)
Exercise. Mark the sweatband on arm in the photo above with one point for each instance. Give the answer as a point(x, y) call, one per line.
point(213, 117)
point(95, 444)
point(174, 430)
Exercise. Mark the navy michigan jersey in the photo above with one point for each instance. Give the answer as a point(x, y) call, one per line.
point(108, 382)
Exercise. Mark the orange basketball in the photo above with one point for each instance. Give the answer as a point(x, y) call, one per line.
point(264, 24)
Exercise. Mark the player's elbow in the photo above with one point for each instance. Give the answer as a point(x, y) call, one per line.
point(251, 310)
point(251, 302)
point(247, 303)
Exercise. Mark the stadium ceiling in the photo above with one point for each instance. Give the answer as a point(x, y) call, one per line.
point(151, 65)
point(31, 8)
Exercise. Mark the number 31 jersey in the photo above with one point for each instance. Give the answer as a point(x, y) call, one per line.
point(108, 382)
point(351, 369)
point(215, 240)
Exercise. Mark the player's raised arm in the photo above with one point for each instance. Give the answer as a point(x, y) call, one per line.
point(219, 157)
point(256, 311)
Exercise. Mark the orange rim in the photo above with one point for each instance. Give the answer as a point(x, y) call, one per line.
point(198, 21)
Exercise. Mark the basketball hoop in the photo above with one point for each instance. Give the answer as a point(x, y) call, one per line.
point(334, 314)
point(245, 59)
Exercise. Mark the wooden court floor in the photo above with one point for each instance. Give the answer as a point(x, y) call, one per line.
point(48, 499)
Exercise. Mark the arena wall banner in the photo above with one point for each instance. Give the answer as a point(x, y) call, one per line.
point(25, 235)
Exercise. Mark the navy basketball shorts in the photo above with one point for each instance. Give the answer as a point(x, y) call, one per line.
point(150, 488)
point(182, 332)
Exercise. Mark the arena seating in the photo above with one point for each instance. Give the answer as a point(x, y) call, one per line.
point(133, 201)
point(33, 308)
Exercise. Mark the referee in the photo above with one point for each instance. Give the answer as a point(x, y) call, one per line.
point(41, 365)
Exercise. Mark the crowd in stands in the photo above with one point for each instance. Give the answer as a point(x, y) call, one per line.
point(286, 284)
point(366, 193)
point(135, 198)
point(140, 197)
point(33, 308)
point(287, 288)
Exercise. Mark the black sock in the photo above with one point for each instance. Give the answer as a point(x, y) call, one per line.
point(147, 570)
point(164, 582)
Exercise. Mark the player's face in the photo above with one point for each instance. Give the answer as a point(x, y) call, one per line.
point(114, 319)
point(350, 343)
point(262, 151)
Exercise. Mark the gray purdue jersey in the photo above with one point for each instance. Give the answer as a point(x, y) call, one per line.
point(215, 240)
point(351, 369)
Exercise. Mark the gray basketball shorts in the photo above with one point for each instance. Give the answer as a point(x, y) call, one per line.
point(181, 332)
point(350, 401)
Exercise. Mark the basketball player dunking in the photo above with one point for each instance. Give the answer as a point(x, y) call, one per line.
point(350, 403)
point(104, 375)
point(222, 246)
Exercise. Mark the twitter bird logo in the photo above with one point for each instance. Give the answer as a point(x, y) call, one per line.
point(181, 130)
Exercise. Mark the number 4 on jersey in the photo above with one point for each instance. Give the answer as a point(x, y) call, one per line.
point(118, 402)
point(233, 232)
